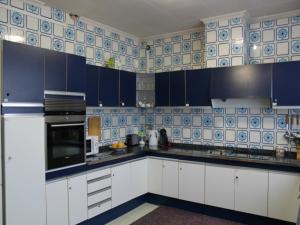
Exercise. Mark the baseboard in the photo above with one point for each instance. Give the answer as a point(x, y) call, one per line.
point(240, 217)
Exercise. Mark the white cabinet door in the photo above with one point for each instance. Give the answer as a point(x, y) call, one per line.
point(57, 202)
point(251, 191)
point(170, 178)
point(1, 206)
point(77, 199)
point(138, 178)
point(155, 176)
point(283, 201)
point(121, 188)
point(191, 182)
point(24, 162)
point(219, 186)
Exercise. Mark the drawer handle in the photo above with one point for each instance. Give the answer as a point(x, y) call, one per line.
point(99, 205)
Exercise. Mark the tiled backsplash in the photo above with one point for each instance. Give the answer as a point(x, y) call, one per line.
point(52, 28)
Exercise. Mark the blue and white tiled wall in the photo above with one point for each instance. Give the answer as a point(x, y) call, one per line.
point(116, 123)
point(240, 127)
point(177, 52)
point(275, 40)
point(52, 28)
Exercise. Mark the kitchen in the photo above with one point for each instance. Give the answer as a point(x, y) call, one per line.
point(221, 91)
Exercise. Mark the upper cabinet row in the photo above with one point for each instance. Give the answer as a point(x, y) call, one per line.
point(278, 82)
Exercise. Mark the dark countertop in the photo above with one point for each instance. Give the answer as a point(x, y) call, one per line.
point(263, 159)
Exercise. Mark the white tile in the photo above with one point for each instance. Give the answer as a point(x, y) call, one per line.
point(223, 23)
point(242, 122)
point(17, 4)
point(45, 42)
point(186, 59)
point(58, 30)
point(197, 121)
point(296, 58)
point(122, 132)
point(16, 35)
point(237, 33)
point(223, 49)
point(115, 46)
point(158, 50)
point(70, 47)
point(106, 134)
point(32, 23)
point(167, 61)
point(237, 61)
point(230, 135)
point(282, 48)
point(272, 60)
point(254, 111)
point(211, 36)
point(90, 52)
point(268, 123)
point(219, 121)
point(296, 31)
point(186, 133)
point(158, 120)
point(283, 21)
point(98, 41)
point(211, 63)
point(196, 45)
point(177, 48)
point(254, 136)
point(268, 35)
point(177, 120)
point(254, 25)
point(255, 51)
point(280, 140)
point(207, 134)
point(3, 15)
point(230, 111)
point(80, 36)
point(46, 11)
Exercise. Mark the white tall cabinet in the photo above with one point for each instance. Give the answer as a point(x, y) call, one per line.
point(24, 170)
point(284, 195)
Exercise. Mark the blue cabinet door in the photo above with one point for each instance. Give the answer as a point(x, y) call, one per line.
point(76, 73)
point(92, 85)
point(162, 89)
point(286, 82)
point(109, 87)
point(177, 88)
point(23, 73)
point(55, 71)
point(127, 89)
point(242, 81)
point(198, 87)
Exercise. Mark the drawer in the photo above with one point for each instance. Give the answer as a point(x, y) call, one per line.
point(98, 185)
point(98, 174)
point(99, 197)
point(99, 208)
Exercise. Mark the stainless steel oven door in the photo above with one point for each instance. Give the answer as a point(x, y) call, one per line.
point(65, 141)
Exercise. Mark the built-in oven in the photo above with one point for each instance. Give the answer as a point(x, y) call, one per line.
point(65, 132)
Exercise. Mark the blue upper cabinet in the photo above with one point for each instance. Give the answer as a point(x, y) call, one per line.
point(162, 89)
point(177, 88)
point(109, 87)
point(92, 85)
point(23, 73)
point(286, 81)
point(249, 81)
point(76, 73)
point(198, 87)
point(55, 71)
point(127, 89)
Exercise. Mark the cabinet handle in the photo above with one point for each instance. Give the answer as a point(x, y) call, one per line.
point(236, 177)
point(187, 104)
point(7, 94)
point(122, 104)
point(99, 205)
point(9, 158)
point(180, 168)
point(70, 188)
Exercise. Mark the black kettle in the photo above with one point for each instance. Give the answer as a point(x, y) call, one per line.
point(163, 137)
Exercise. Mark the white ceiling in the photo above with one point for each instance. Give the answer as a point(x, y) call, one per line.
point(145, 18)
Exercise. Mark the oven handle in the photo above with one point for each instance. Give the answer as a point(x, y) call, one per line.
point(67, 125)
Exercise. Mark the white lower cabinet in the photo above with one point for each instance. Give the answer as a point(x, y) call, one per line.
point(155, 167)
point(170, 179)
point(138, 178)
point(219, 186)
point(57, 202)
point(77, 199)
point(283, 198)
point(191, 182)
point(121, 186)
point(251, 191)
point(67, 201)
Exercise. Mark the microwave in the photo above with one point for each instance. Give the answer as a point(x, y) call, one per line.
point(91, 146)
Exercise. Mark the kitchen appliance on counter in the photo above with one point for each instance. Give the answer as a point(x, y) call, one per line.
point(91, 147)
point(132, 139)
point(153, 138)
point(163, 137)
point(65, 131)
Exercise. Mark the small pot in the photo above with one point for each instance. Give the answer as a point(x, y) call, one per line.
point(279, 152)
